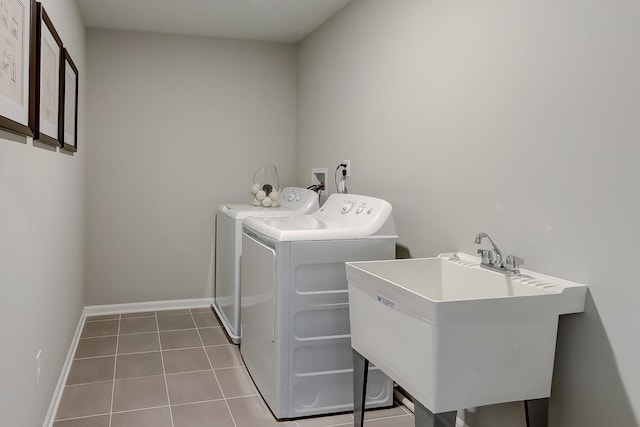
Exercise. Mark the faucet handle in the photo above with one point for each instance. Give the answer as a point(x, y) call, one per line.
point(485, 254)
point(513, 263)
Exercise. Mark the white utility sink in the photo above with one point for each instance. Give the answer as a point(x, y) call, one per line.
point(456, 335)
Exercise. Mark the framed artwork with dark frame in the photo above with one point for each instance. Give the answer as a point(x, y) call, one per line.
point(17, 73)
point(68, 102)
point(47, 100)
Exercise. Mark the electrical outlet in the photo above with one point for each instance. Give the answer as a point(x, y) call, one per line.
point(319, 177)
point(38, 366)
point(348, 168)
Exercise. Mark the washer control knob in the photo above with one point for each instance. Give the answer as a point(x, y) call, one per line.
point(291, 197)
point(346, 207)
point(360, 209)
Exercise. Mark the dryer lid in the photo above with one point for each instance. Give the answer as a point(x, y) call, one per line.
point(292, 201)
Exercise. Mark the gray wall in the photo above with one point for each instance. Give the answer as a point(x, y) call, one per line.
point(179, 125)
point(41, 251)
point(515, 118)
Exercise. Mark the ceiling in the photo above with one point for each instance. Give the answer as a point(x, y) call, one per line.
point(268, 20)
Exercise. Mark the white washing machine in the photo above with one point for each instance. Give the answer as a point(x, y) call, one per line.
point(226, 293)
point(296, 338)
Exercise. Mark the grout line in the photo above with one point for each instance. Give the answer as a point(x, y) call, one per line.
point(88, 320)
point(99, 337)
point(174, 330)
point(200, 401)
point(214, 374)
point(82, 417)
point(188, 372)
point(137, 317)
point(137, 378)
point(389, 417)
point(181, 348)
point(140, 409)
point(242, 397)
point(138, 333)
point(95, 357)
point(95, 382)
point(140, 352)
point(164, 373)
point(115, 365)
point(226, 368)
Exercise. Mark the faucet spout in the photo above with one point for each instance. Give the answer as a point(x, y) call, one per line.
point(495, 247)
point(492, 258)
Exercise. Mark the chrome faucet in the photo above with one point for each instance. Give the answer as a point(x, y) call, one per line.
point(493, 258)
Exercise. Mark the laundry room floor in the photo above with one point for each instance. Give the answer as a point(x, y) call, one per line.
point(173, 368)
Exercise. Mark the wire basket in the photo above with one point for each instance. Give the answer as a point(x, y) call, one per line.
point(265, 190)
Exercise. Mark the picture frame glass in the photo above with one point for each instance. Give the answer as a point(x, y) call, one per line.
point(15, 30)
point(49, 82)
point(71, 81)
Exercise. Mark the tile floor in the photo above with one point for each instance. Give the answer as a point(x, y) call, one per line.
point(173, 368)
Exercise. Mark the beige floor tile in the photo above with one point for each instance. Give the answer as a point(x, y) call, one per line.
point(173, 312)
point(103, 317)
point(398, 421)
point(204, 414)
point(175, 322)
point(92, 347)
point(193, 387)
point(139, 393)
point(138, 325)
point(139, 314)
point(235, 382)
point(202, 310)
point(100, 328)
point(139, 365)
point(84, 400)
point(180, 339)
point(156, 417)
point(99, 421)
point(224, 356)
point(185, 360)
point(372, 414)
point(253, 412)
point(91, 370)
point(213, 336)
point(137, 343)
point(326, 421)
point(206, 319)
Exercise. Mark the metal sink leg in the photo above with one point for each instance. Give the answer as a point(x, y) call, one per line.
point(360, 372)
point(537, 412)
point(426, 418)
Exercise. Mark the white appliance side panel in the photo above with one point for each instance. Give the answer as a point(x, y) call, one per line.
point(262, 337)
point(321, 367)
point(227, 284)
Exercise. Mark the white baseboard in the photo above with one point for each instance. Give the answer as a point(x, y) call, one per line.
point(62, 380)
point(97, 310)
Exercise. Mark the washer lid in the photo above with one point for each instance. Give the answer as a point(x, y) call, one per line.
point(341, 217)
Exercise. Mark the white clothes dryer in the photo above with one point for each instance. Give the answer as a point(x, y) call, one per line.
point(296, 340)
point(226, 292)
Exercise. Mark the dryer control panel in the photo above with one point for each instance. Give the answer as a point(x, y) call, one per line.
point(296, 198)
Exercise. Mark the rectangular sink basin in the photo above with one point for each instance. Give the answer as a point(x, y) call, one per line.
point(456, 335)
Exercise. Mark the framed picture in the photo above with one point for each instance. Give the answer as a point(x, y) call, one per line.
point(68, 102)
point(47, 100)
point(17, 74)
